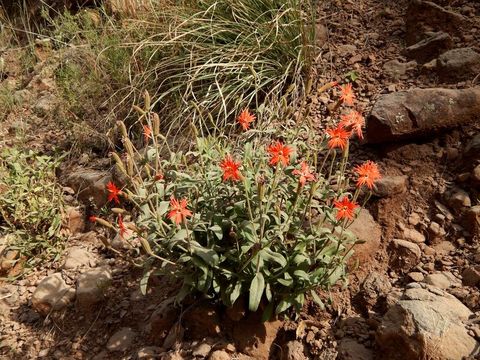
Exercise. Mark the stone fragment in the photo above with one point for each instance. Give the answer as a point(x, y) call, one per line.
point(404, 254)
point(52, 293)
point(413, 236)
point(294, 350)
point(122, 340)
point(75, 220)
point(91, 287)
point(390, 185)
point(90, 185)
point(458, 64)
point(426, 323)
point(430, 47)
point(438, 280)
point(366, 228)
point(471, 275)
point(351, 349)
point(77, 257)
point(397, 70)
point(419, 112)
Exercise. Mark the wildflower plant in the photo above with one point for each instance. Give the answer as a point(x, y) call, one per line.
point(263, 219)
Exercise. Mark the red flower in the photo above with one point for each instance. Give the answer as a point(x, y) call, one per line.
point(245, 118)
point(347, 95)
point(304, 173)
point(147, 132)
point(178, 210)
point(158, 177)
point(368, 173)
point(92, 219)
point(338, 137)
point(355, 121)
point(113, 192)
point(279, 153)
point(345, 208)
point(121, 225)
point(230, 169)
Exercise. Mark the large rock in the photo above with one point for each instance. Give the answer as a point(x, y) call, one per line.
point(52, 294)
point(91, 185)
point(429, 48)
point(419, 112)
point(365, 228)
point(426, 323)
point(425, 16)
point(391, 185)
point(91, 288)
point(458, 64)
point(404, 254)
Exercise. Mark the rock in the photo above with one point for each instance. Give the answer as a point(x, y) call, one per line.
point(458, 198)
point(439, 280)
point(46, 105)
point(390, 185)
point(425, 16)
point(149, 353)
point(472, 150)
point(471, 275)
point(90, 184)
point(476, 174)
point(419, 112)
point(397, 70)
point(374, 290)
point(365, 228)
point(404, 254)
point(413, 236)
point(416, 276)
point(75, 220)
point(162, 320)
point(436, 232)
point(219, 355)
point(202, 350)
point(255, 338)
point(350, 349)
point(430, 47)
point(77, 257)
point(443, 247)
point(294, 350)
point(201, 321)
point(122, 340)
point(8, 260)
point(52, 293)
point(473, 219)
point(426, 323)
point(458, 64)
point(91, 287)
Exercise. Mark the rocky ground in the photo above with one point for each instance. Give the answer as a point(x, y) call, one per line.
point(414, 288)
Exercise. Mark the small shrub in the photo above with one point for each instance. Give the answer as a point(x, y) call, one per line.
point(30, 204)
point(264, 219)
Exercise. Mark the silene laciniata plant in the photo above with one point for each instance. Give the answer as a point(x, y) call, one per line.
point(262, 219)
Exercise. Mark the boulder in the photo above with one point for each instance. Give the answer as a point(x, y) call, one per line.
point(426, 323)
point(458, 65)
point(52, 294)
point(420, 112)
point(430, 47)
point(413, 236)
point(374, 290)
point(366, 228)
point(442, 280)
point(91, 288)
point(423, 17)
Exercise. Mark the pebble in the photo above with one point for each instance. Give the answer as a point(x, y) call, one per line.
point(121, 340)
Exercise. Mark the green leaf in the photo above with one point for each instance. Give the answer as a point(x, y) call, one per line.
point(256, 291)
point(162, 208)
point(301, 275)
point(282, 306)
point(267, 313)
point(217, 230)
point(208, 255)
point(317, 299)
point(235, 292)
point(269, 255)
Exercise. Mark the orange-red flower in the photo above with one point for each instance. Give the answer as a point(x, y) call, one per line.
point(345, 208)
point(368, 173)
point(355, 121)
point(147, 132)
point(121, 225)
point(245, 118)
point(178, 210)
point(230, 169)
point(279, 153)
point(338, 137)
point(113, 192)
point(304, 173)
point(158, 177)
point(347, 96)
point(92, 219)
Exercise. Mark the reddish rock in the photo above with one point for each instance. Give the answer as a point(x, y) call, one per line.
point(365, 228)
point(429, 48)
point(420, 112)
point(471, 275)
point(202, 321)
point(404, 254)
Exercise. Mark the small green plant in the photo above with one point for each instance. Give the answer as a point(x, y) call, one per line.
point(30, 204)
point(7, 100)
point(230, 218)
